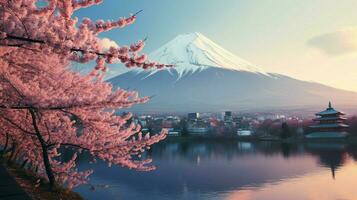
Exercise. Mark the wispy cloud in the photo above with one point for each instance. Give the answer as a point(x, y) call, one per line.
point(336, 43)
point(106, 43)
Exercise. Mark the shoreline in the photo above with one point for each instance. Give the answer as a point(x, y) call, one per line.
point(348, 140)
point(10, 189)
point(35, 187)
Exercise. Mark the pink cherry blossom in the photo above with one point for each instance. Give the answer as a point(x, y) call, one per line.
point(46, 108)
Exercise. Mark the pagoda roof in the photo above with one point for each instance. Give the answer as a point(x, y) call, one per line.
point(329, 118)
point(336, 125)
point(330, 111)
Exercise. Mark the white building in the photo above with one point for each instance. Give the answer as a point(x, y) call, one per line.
point(244, 132)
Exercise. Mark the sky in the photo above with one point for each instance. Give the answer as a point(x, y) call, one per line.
point(313, 40)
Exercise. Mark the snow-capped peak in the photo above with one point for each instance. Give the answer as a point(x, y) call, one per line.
point(194, 52)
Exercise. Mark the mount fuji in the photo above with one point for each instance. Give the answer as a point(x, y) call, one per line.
point(208, 78)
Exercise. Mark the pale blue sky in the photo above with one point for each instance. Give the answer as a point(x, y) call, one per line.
point(308, 39)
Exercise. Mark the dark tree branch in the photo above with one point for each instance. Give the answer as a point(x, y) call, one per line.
point(73, 49)
point(46, 160)
point(84, 105)
point(17, 126)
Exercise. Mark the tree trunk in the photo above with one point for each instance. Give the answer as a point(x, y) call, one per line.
point(46, 160)
point(7, 142)
point(13, 150)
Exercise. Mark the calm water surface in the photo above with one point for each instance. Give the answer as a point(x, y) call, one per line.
point(233, 170)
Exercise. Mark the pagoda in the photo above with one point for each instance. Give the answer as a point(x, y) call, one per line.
point(330, 124)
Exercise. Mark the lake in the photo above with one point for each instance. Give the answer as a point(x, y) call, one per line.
point(233, 170)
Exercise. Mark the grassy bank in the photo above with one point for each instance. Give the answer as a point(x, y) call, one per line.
point(37, 188)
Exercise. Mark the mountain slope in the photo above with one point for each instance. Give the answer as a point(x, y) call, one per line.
point(208, 78)
point(194, 52)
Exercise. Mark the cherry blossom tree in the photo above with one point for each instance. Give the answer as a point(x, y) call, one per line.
point(45, 107)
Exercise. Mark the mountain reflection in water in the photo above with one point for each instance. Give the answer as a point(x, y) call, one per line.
point(233, 170)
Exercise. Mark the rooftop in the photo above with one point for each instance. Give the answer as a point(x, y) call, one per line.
point(329, 111)
point(329, 118)
point(336, 125)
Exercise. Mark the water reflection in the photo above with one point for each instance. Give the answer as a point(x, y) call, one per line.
point(230, 170)
point(332, 156)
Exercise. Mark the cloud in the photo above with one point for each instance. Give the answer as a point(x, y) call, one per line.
point(336, 43)
point(106, 43)
point(113, 69)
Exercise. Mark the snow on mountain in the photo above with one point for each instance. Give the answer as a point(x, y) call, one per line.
point(194, 52)
point(207, 77)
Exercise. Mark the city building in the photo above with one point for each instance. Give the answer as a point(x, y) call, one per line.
point(173, 132)
point(228, 118)
point(197, 130)
point(330, 124)
point(244, 132)
point(193, 116)
point(170, 122)
point(196, 125)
